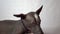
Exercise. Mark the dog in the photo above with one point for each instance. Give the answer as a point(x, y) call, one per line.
point(29, 24)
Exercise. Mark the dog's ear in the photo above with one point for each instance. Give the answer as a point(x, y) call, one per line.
point(39, 10)
point(20, 15)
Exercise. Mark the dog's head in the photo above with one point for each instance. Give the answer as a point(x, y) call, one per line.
point(31, 20)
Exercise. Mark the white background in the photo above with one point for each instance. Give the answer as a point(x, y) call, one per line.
point(50, 15)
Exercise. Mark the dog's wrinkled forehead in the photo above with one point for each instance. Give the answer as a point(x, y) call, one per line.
point(32, 16)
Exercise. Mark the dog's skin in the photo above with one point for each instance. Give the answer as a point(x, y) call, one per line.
point(29, 24)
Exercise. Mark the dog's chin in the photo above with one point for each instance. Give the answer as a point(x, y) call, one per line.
point(29, 33)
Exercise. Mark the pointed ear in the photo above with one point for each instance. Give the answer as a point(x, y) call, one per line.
point(39, 10)
point(20, 15)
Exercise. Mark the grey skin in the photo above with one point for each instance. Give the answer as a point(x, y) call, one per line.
point(29, 24)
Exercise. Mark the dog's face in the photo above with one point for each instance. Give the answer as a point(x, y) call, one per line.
point(32, 21)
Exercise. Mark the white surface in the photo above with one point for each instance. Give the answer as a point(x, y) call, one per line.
point(50, 14)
